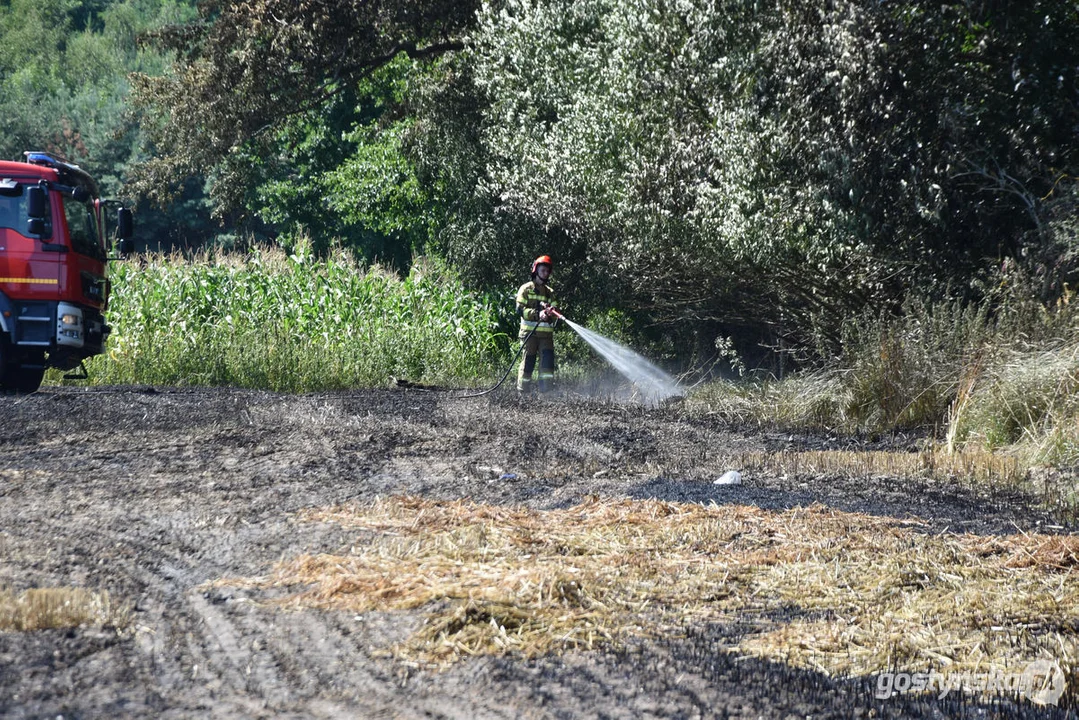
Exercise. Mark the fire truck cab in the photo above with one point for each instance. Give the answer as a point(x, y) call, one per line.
point(54, 286)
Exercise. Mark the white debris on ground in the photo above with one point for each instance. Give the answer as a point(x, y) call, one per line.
point(731, 477)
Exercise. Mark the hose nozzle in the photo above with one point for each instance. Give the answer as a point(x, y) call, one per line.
point(551, 311)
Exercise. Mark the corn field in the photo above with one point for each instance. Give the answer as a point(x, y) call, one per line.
point(294, 323)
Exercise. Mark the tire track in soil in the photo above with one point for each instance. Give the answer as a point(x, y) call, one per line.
point(193, 651)
point(152, 494)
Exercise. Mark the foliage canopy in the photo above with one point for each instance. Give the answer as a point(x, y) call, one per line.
point(246, 68)
point(712, 167)
point(782, 164)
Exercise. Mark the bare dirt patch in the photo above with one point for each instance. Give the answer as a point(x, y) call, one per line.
point(154, 496)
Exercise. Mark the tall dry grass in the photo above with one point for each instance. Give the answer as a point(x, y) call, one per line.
point(1004, 383)
point(999, 381)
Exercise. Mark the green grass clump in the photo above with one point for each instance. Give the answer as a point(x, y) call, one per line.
point(904, 373)
point(294, 323)
point(1026, 398)
point(1004, 381)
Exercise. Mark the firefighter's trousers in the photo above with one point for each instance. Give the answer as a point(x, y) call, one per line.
point(540, 344)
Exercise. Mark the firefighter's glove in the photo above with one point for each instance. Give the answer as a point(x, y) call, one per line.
point(546, 315)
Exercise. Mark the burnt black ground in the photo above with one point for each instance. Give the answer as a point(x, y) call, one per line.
point(149, 493)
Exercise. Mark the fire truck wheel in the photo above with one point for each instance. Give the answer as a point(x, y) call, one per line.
point(22, 381)
point(14, 378)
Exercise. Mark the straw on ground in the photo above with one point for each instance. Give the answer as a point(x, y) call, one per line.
point(844, 593)
point(59, 607)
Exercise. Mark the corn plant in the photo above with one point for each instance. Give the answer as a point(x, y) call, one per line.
point(294, 323)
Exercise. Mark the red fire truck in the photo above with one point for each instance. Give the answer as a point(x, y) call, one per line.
point(53, 260)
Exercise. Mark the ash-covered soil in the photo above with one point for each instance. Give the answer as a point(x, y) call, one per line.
point(149, 494)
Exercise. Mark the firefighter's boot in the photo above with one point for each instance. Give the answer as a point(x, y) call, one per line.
point(524, 374)
point(546, 370)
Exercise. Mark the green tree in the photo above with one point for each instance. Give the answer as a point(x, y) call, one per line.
point(246, 69)
point(777, 166)
point(345, 178)
point(708, 165)
point(64, 87)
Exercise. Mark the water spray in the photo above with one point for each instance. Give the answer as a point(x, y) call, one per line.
point(654, 385)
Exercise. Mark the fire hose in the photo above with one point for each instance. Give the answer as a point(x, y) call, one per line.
point(524, 341)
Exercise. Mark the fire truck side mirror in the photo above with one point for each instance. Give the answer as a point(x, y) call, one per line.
point(125, 228)
point(35, 202)
point(36, 210)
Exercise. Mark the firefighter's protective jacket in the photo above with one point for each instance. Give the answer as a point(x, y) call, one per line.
point(529, 298)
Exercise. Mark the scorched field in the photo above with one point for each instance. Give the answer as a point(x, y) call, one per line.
point(410, 553)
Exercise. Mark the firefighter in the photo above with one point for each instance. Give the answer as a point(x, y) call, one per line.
point(535, 303)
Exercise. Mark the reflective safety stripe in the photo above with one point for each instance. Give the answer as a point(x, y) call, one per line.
point(526, 295)
point(30, 281)
point(528, 305)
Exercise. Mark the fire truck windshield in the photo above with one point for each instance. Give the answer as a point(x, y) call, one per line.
point(13, 212)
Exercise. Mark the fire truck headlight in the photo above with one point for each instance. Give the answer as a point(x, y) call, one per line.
point(69, 326)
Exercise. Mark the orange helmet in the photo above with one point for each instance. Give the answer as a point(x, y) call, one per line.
point(542, 260)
